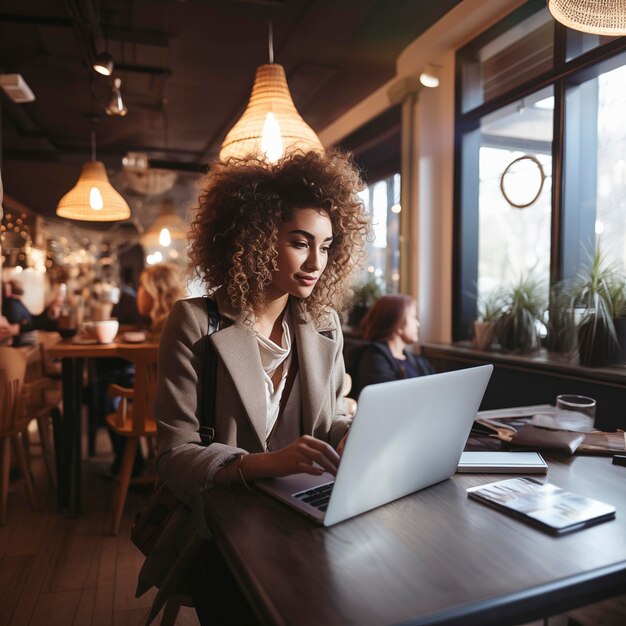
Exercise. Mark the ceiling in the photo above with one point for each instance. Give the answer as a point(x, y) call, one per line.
point(186, 67)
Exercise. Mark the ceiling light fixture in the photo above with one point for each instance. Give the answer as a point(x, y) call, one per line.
point(103, 64)
point(166, 228)
point(271, 125)
point(116, 105)
point(16, 88)
point(93, 198)
point(430, 76)
point(599, 17)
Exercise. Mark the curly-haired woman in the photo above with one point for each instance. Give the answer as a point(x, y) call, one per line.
point(275, 245)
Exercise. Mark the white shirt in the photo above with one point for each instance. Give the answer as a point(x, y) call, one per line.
point(272, 357)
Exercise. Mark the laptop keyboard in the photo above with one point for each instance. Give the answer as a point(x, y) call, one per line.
point(317, 497)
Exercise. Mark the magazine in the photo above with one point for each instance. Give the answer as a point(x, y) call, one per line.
point(543, 504)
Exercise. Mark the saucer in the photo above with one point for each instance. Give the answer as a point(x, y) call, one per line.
point(84, 341)
point(134, 337)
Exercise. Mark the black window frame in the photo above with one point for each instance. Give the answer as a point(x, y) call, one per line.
point(565, 250)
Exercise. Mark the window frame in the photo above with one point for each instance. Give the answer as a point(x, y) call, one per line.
point(564, 254)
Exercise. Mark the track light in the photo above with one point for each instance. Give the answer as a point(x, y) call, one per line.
point(103, 64)
point(116, 105)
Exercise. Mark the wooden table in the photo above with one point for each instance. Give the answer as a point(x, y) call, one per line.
point(434, 557)
point(67, 431)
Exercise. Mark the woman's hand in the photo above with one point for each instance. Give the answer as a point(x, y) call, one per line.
point(300, 456)
point(297, 458)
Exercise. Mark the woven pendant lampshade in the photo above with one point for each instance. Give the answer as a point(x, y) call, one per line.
point(93, 198)
point(166, 228)
point(271, 125)
point(599, 17)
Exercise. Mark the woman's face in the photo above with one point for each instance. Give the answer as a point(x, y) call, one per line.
point(303, 244)
point(409, 329)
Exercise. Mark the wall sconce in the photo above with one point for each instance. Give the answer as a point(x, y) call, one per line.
point(430, 76)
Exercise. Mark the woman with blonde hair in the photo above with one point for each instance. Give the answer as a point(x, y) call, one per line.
point(159, 287)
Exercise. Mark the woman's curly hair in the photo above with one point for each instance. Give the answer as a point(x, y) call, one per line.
point(244, 201)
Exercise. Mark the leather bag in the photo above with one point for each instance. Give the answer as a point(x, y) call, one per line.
point(151, 521)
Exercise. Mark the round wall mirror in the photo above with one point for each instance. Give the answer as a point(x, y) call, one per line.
point(522, 181)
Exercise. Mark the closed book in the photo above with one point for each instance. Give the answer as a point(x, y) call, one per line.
point(543, 504)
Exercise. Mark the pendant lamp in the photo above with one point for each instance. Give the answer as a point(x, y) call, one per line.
point(271, 125)
point(599, 17)
point(166, 228)
point(93, 198)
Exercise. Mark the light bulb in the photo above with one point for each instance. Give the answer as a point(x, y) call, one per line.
point(165, 239)
point(430, 76)
point(95, 199)
point(271, 141)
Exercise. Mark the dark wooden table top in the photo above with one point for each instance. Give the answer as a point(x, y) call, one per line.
point(434, 557)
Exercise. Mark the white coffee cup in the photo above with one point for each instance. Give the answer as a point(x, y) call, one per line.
point(104, 331)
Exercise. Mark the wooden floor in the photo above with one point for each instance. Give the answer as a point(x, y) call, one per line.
point(56, 571)
point(60, 572)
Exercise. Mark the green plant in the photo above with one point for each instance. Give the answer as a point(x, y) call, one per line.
point(364, 293)
point(489, 306)
point(367, 291)
point(560, 323)
point(598, 296)
point(522, 312)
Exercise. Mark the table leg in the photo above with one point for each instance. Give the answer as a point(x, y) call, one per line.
point(67, 433)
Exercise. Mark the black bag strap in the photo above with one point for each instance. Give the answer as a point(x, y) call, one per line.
point(207, 414)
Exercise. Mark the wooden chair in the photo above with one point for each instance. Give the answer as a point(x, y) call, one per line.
point(13, 425)
point(43, 399)
point(133, 418)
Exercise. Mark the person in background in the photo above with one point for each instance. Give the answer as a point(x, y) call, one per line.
point(125, 310)
point(159, 287)
point(275, 245)
point(390, 325)
point(20, 322)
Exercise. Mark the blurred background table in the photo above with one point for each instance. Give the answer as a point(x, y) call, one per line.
point(68, 429)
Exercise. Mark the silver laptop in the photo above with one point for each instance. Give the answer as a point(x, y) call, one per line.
point(406, 435)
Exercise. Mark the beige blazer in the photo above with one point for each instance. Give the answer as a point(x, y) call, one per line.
point(240, 405)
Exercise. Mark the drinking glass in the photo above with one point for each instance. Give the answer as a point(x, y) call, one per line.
point(575, 412)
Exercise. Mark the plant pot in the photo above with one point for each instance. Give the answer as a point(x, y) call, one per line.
point(619, 355)
point(518, 333)
point(596, 346)
point(483, 335)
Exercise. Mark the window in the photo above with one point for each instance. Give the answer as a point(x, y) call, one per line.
point(542, 106)
point(513, 239)
point(610, 171)
point(382, 202)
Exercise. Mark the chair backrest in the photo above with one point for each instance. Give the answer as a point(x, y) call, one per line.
point(144, 390)
point(12, 372)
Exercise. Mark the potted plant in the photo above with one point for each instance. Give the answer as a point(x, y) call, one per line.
point(489, 307)
point(560, 323)
point(618, 298)
point(522, 312)
point(595, 291)
point(364, 294)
